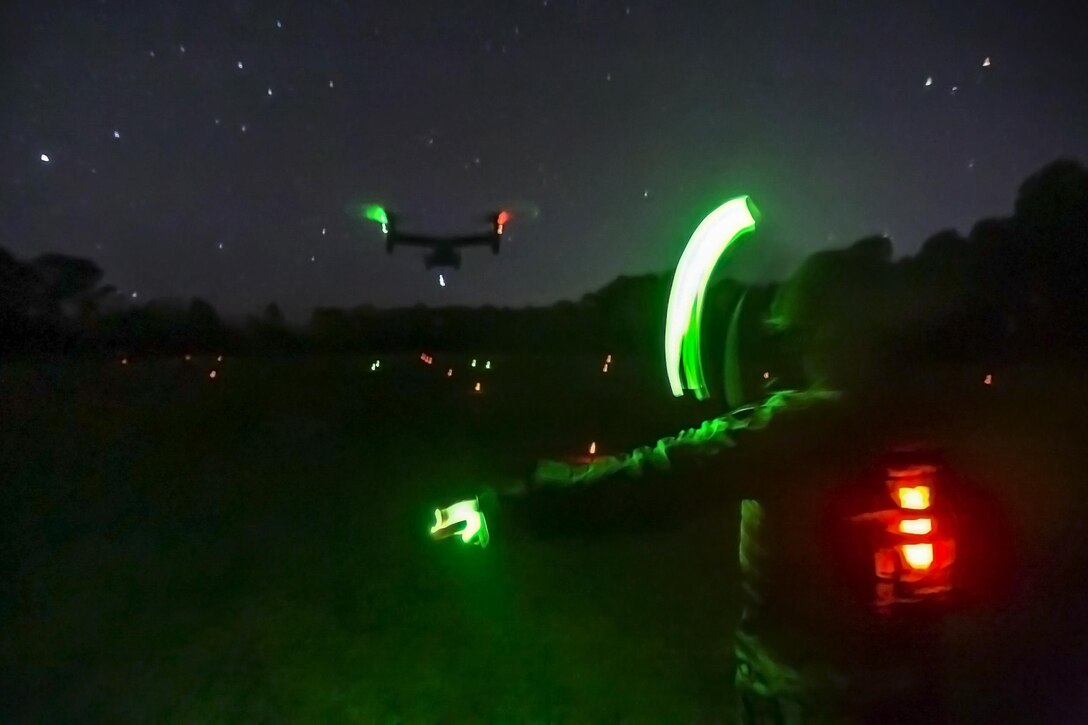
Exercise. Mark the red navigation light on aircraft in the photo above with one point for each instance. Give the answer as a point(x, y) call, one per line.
point(501, 220)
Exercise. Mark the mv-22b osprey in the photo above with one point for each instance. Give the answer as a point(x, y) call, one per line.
point(444, 249)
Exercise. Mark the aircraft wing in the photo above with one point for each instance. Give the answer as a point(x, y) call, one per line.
point(413, 240)
point(476, 240)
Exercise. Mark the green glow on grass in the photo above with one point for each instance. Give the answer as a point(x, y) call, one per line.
point(467, 512)
point(712, 237)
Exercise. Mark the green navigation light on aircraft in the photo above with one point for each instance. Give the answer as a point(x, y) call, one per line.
point(376, 213)
point(467, 512)
point(712, 237)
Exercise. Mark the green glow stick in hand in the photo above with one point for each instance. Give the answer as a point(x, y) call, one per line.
point(467, 512)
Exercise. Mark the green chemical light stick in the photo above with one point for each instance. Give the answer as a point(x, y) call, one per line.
point(466, 512)
point(717, 231)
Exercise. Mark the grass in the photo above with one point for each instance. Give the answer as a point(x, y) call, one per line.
point(254, 547)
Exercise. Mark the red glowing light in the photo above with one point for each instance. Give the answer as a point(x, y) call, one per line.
point(915, 498)
point(502, 218)
point(917, 556)
point(988, 380)
point(916, 527)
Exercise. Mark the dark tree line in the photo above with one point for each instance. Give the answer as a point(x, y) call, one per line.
point(1014, 286)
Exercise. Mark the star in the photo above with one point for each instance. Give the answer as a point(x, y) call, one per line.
point(220, 245)
point(270, 91)
point(954, 89)
point(135, 294)
point(929, 80)
point(608, 76)
point(151, 53)
point(279, 24)
point(986, 63)
point(217, 122)
point(181, 48)
point(322, 231)
point(243, 128)
point(330, 84)
point(45, 158)
point(645, 193)
point(240, 66)
point(313, 259)
point(116, 133)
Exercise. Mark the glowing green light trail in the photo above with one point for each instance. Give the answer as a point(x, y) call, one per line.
point(717, 231)
point(467, 512)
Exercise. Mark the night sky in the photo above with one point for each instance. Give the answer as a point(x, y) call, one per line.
point(212, 149)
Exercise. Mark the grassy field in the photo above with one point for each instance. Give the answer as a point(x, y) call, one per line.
point(254, 546)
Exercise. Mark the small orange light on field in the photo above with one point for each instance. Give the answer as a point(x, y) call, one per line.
point(988, 380)
point(605, 368)
point(219, 358)
point(917, 556)
point(916, 526)
point(212, 374)
point(124, 361)
point(915, 498)
point(188, 358)
point(766, 375)
point(593, 448)
point(477, 387)
point(449, 373)
point(608, 358)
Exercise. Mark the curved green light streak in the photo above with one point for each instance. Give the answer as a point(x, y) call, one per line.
point(734, 380)
point(685, 312)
